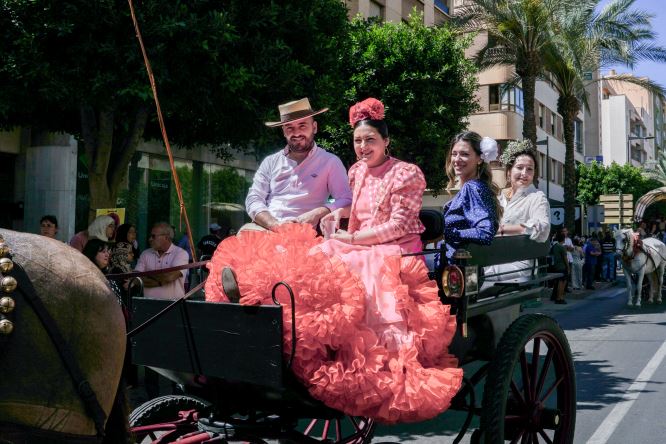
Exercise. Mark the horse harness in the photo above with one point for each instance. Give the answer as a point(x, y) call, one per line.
point(637, 247)
point(12, 278)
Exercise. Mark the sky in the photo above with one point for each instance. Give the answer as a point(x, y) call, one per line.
point(655, 71)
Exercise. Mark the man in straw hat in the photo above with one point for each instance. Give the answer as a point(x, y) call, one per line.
point(294, 184)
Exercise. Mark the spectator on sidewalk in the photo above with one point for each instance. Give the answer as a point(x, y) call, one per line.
point(591, 255)
point(163, 254)
point(577, 265)
point(568, 246)
point(208, 244)
point(608, 258)
point(102, 228)
point(48, 226)
point(560, 265)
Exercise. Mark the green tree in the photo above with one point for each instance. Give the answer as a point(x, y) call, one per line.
point(421, 75)
point(587, 40)
point(596, 179)
point(221, 68)
point(658, 174)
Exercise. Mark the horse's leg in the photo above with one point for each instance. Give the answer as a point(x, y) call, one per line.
point(660, 281)
point(639, 286)
point(630, 284)
point(653, 283)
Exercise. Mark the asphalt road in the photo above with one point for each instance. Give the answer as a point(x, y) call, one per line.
point(620, 374)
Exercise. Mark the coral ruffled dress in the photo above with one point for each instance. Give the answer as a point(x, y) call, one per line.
point(372, 335)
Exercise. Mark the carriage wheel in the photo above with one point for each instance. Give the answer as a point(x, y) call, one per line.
point(345, 430)
point(164, 418)
point(530, 391)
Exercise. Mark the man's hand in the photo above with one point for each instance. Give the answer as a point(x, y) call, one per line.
point(266, 220)
point(312, 217)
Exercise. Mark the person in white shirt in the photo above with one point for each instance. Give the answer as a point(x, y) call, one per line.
point(526, 209)
point(163, 254)
point(295, 184)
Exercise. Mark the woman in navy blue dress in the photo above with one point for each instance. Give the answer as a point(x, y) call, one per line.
point(473, 214)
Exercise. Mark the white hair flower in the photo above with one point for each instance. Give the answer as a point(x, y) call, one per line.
point(489, 149)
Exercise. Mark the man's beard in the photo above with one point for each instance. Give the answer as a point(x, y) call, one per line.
point(302, 146)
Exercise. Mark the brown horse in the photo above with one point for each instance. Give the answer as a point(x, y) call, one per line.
point(38, 399)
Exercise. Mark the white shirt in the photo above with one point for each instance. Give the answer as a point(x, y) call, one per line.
point(150, 260)
point(530, 208)
point(288, 189)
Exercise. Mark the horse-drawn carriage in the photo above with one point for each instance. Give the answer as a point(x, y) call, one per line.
point(229, 361)
point(62, 356)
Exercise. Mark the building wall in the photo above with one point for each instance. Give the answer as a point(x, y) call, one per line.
point(615, 112)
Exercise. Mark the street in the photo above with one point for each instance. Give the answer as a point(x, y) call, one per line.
point(620, 374)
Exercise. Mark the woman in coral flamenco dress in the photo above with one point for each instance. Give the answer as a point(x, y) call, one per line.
point(372, 334)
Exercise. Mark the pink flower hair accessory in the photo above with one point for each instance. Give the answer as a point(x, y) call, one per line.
point(370, 108)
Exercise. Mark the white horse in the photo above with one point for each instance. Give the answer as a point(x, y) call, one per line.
point(641, 257)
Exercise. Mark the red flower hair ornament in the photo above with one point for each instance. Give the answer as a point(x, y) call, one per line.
point(370, 108)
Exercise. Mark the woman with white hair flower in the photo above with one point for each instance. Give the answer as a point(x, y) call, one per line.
point(472, 215)
point(526, 209)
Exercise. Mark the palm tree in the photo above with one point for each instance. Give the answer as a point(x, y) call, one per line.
point(658, 173)
point(585, 41)
point(519, 31)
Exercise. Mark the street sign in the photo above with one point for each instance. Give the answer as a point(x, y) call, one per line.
point(618, 208)
point(590, 159)
point(556, 215)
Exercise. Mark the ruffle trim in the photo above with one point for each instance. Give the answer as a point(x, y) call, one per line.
point(394, 375)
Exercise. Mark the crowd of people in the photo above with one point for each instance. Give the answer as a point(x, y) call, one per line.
point(113, 248)
point(584, 259)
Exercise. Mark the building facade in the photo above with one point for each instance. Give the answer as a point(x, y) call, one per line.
point(45, 173)
point(632, 126)
point(434, 11)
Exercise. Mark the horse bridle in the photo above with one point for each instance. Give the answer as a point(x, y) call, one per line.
point(14, 277)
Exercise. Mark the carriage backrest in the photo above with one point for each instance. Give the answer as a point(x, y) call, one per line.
point(234, 342)
point(504, 249)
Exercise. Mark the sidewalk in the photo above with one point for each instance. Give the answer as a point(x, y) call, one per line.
point(572, 298)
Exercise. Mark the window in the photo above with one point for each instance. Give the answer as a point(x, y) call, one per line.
point(506, 99)
point(376, 10)
point(552, 123)
point(542, 113)
point(542, 163)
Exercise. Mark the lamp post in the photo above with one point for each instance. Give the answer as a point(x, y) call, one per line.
point(545, 142)
point(629, 139)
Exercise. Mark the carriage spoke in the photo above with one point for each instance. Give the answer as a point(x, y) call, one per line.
point(353, 421)
point(524, 370)
point(324, 433)
point(310, 427)
point(526, 437)
point(552, 389)
point(535, 366)
point(516, 392)
point(545, 437)
point(338, 430)
point(544, 371)
point(515, 440)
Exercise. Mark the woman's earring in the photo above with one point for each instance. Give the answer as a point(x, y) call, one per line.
point(387, 152)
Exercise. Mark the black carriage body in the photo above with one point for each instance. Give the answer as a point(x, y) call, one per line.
point(227, 341)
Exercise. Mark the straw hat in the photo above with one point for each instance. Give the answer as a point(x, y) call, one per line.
point(296, 110)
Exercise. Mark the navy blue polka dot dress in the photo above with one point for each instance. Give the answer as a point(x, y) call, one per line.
point(470, 216)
